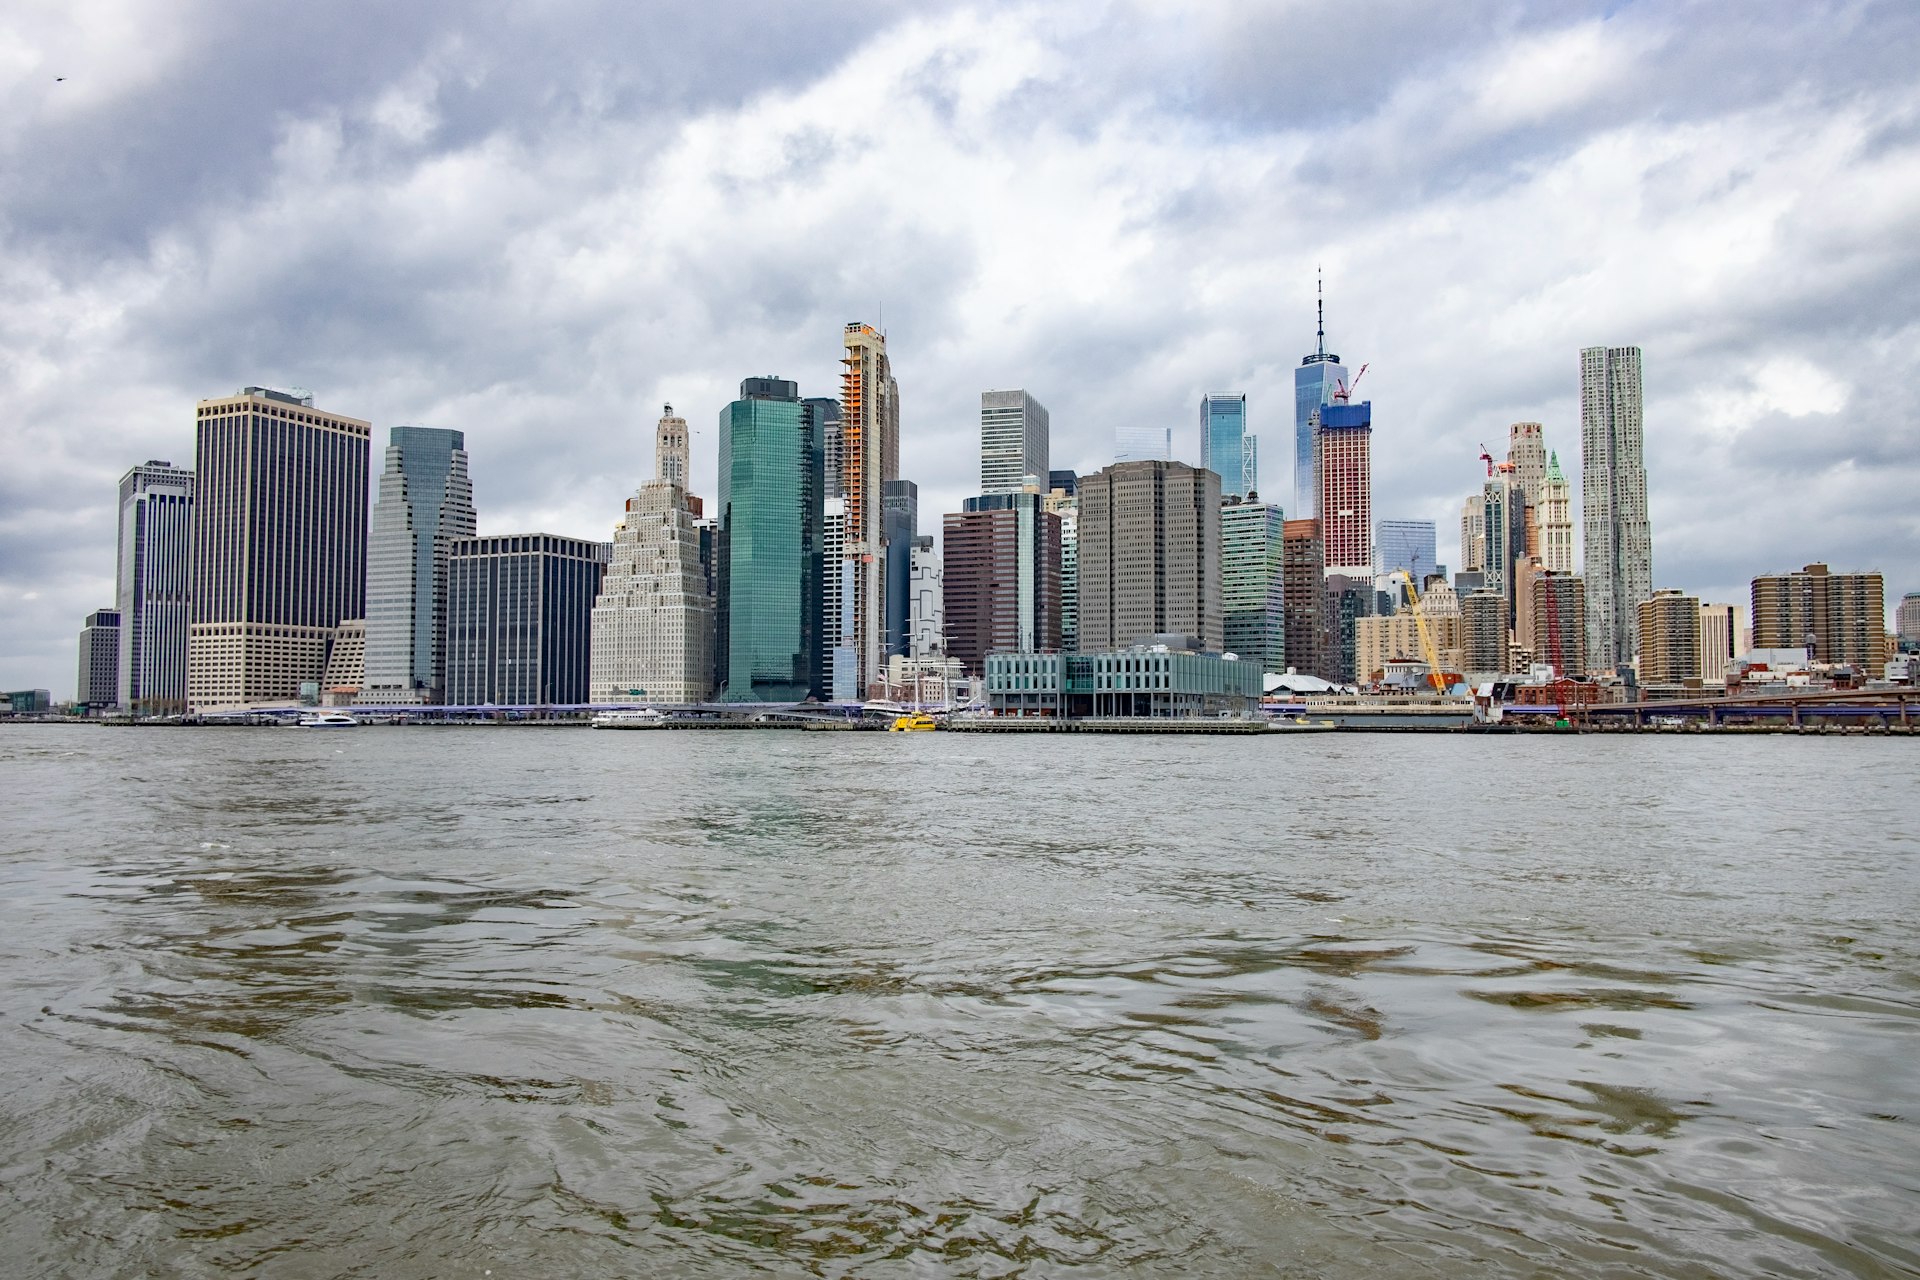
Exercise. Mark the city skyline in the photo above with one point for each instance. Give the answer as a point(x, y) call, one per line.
point(1740, 417)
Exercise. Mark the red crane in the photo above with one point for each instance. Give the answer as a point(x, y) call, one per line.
point(1484, 457)
point(1346, 388)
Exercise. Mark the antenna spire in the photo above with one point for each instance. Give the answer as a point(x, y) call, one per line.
point(1320, 311)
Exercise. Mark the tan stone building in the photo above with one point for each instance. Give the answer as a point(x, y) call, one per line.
point(1149, 555)
point(1396, 638)
point(1669, 624)
point(279, 545)
point(1557, 622)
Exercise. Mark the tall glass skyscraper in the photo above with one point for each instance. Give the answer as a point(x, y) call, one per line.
point(1143, 444)
point(1225, 447)
point(1315, 383)
point(520, 619)
point(1253, 583)
point(900, 520)
point(425, 502)
point(1408, 544)
point(771, 481)
point(1014, 428)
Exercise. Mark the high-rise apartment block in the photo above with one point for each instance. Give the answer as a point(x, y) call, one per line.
point(154, 588)
point(1316, 382)
point(1253, 588)
point(520, 619)
point(769, 647)
point(425, 503)
point(1723, 637)
point(1618, 568)
point(1001, 578)
point(1557, 613)
point(652, 629)
point(1344, 461)
point(1014, 430)
point(99, 682)
point(1395, 637)
point(1149, 555)
point(1906, 619)
point(870, 456)
point(1304, 569)
point(1484, 630)
point(1226, 448)
point(279, 545)
point(1838, 617)
point(1669, 625)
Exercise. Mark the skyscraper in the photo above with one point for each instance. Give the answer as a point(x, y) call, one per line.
point(1149, 555)
point(1343, 459)
point(1304, 567)
point(672, 452)
point(520, 619)
point(279, 545)
point(1225, 447)
point(1669, 626)
point(1473, 534)
point(927, 607)
point(426, 501)
point(1143, 444)
point(1409, 545)
point(870, 456)
point(1559, 617)
point(1906, 619)
point(1001, 578)
point(653, 626)
point(154, 588)
point(1014, 431)
point(1063, 500)
point(900, 519)
point(1618, 568)
point(1504, 508)
point(99, 682)
point(1556, 519)
point(768, 647)
point(1484, 629)
point(1722, 639)
point(1315, 383)
point(1527, 451)
point(1836, 617)
point(1253, 583)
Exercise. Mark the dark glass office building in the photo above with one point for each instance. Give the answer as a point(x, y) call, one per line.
point(519, 619)
point(900, 518)
point(768, 620)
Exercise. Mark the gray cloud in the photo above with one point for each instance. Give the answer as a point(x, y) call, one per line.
point(538, 225)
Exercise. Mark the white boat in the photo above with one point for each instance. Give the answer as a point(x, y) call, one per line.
point(326, 720)
point(642, 718)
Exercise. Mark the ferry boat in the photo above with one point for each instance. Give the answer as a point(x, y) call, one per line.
point(918, 722)
point(641, 718)
point(326, 720)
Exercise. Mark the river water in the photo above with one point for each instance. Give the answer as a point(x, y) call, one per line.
point(534, 1002)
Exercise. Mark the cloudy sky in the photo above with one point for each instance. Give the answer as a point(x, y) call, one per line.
point(537, 223)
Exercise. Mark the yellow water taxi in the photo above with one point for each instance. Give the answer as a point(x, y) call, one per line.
point(918, 722)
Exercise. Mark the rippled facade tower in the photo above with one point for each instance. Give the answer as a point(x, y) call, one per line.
point(1618, 564)
point(425, 502)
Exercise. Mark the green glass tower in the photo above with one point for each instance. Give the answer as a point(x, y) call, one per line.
point(1253, 583)
point(771, 502)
